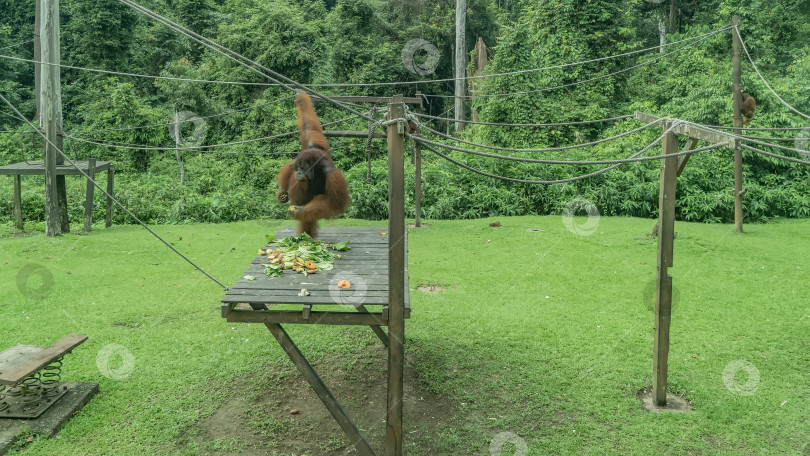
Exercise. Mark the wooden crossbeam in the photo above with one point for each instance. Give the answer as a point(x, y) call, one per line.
point(691, 130)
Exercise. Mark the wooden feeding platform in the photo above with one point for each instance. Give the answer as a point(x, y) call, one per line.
point(277, 300)
point(37, 168)
point(365, 267)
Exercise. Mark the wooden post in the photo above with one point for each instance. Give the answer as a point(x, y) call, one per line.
point(682, 161)
point(481, 61)
point(38, 58)
point(18, 220)
point(110, 179)
point(177, 126)
point(663, 292)
point(88, 202)
point(738, 123)
point(51, 108)
point(417, 152)
point(396, 276)
point(461, 60)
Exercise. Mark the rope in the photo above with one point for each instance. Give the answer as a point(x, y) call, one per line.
point(769, 138)
point(17, 44)
point(134, 217)
point(135, 75)
point(723, 127)
point(562, 86)
point(240, 59)
point(762, 143)
point(278, 100)
point(769, 154)
point(547, 149)
point(371, 127)
point(619, 161)
point(364, 84)
point(559, 181)
point(745, 48)
point(119, 145)
point(554, 124)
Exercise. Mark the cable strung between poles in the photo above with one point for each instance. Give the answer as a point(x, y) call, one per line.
point(723, 127)
point(547, 89)
point(134, 217)
point(119, 145)
point(559, 181)
point(770, 138)
point(17, 44)
point(360, 84)
point(762, 143)
point(240, 59)
point(745, 48)
point(547, 149)
point(781, 157)
point(142, 127)
point(619, 161)
point(551, 124)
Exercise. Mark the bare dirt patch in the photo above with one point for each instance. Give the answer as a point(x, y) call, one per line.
point(258, 420)
point(430, 288)
point(675, 403)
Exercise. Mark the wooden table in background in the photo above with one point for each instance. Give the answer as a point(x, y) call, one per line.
point(37, 168)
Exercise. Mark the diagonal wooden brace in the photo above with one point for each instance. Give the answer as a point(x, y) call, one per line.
point(321, 389)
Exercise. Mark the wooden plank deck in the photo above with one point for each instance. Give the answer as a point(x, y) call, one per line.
point(37, 168)
point(365, 266)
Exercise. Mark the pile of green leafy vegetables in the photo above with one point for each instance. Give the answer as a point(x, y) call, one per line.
point(301, 254)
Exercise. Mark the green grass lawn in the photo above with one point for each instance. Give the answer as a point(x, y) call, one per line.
point(544, 334)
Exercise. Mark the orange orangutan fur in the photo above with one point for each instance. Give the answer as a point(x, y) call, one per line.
point(312, 184)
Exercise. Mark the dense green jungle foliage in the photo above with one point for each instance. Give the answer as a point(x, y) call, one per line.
point(362, 41)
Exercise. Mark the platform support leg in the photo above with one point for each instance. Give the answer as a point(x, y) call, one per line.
point(321, 389)
point(89, 193)
point(110, 180)
point(18, 220)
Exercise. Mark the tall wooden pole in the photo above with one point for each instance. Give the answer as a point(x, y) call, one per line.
point(38, 58)
point(417, 152)
point(50, 95)
point(461, 60)
point(663, 293)
point(738, 123)
point(396, 276)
